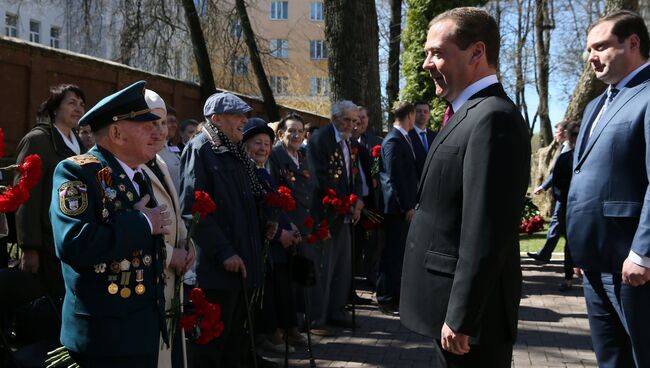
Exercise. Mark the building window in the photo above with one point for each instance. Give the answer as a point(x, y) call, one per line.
point(279, 10)
point(11, 25)
point(34, 31)
point(316, 10)
point(235, 29)
point(55, 37)
point(319, 86)
point(280, 48)
point(239, 65)
point(317, 49)
point(279, 85)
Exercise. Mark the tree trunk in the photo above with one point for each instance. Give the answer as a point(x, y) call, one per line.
point(543, 27)
point(200, 50)
point(520, 75)
point(352, 36)
point(392, 86)
point(271, 107)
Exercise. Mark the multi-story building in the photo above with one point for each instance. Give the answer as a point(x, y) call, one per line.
point(291, 38)
point(106, 29)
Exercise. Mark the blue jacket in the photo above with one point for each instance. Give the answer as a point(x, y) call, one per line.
point(608, 209)
point(398, 174)
point(234, 228)
point(96, 228)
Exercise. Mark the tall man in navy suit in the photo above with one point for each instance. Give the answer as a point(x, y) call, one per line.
point(461, 281)
point(399, 178)
point(608, 210)
point(421, 135)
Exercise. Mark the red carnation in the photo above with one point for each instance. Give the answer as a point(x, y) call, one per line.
point(353, 199)
point(309, 222)
point(327, 201)
point(311, 239)
point(376, 151)
point(203, 204)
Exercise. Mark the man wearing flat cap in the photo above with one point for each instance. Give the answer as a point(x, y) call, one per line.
point(107, 234)
point(229, 247)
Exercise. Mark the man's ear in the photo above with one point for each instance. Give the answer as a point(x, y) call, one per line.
point(478, 51)
point(214, 119)
point(113, 133)
point(635, 42)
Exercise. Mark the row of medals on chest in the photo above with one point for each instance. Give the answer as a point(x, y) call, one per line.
point(121, 271)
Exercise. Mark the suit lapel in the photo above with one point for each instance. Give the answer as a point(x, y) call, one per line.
point(624, 96)
point(457, 119)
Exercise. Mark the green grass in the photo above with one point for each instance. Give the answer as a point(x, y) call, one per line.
point(535, 241)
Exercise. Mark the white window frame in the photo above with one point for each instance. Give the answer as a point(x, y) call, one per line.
point(316, 12)
point(280, 48)
point(34, 36)
point(55, 42)
point(318, 86)
point(279, 10)
point(279, 85)
point(236, 29)
point(317, 50)
point(239, 65)
point(11, 30)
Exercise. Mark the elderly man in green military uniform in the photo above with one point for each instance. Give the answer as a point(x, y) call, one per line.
point(107, 230)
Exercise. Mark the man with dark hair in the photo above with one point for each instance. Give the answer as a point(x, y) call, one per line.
point(461, 278)
point(421, 135)
point(608, 208)
point(554, 230)
point(399, 180)
point(188, 130)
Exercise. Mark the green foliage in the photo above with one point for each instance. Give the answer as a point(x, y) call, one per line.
point(418, 84)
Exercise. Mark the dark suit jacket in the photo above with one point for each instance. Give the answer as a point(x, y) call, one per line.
point(325, 156)
point(608, 209)
point(370, 140)
point(560, 177)
point(398, 174)
point(33, 226)
point(461, 264)
point(420, 155)
point(234, 228)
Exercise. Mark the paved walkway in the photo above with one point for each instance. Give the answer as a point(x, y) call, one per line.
point(553, 332)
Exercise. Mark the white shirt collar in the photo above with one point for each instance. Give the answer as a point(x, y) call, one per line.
point(629, 77)
point(418, 130)
point(472, 89)
point(127, 170)
point(337, 135)
point(71, 143)
point(404, 132)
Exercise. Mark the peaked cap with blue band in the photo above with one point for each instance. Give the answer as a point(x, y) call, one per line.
point(125, 104)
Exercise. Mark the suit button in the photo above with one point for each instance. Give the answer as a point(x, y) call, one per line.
point(577, 171)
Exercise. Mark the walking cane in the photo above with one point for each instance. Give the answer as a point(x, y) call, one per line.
point(312, 363)
point(353, 281)
point(249, 320)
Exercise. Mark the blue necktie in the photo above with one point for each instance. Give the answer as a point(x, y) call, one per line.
point(425, 143)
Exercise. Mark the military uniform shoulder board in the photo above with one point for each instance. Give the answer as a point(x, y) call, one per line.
point(84, 159)
point(73, 198)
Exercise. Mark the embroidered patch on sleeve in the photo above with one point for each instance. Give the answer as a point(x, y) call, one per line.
point(73, 198)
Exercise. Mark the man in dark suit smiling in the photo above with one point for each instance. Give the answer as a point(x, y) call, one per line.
point(461, 282)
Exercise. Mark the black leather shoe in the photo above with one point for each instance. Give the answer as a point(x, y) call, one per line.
point(537, 257)
point(389, 310)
